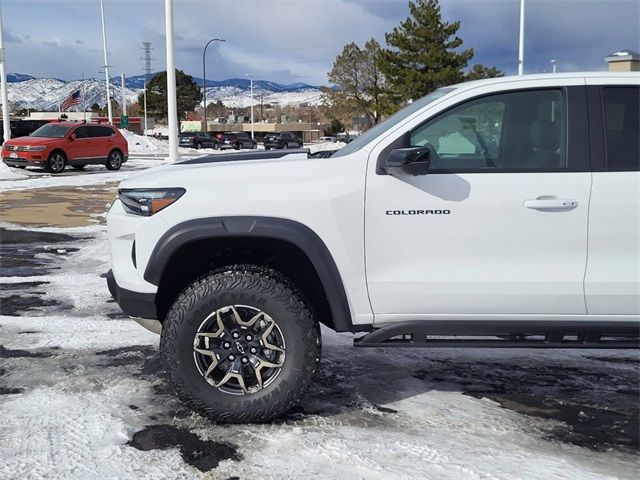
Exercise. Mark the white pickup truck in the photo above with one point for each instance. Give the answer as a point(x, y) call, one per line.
point(502, 212)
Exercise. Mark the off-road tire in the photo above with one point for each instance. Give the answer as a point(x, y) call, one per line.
point(260, 288)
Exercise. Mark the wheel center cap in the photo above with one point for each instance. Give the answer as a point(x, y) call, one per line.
point(240, 347)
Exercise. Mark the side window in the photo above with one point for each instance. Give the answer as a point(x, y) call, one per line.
point(82, 132)
point(522, 130)
point(621, 123)
point(94, 132)
point(103, 131)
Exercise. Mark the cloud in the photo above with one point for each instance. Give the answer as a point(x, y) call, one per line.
point(11, 38)
point(290, 41)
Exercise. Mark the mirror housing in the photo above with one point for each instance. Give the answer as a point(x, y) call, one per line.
point(409, 161)
point(72, 137)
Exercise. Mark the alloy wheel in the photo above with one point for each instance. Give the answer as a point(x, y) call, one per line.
point(115, 160)
point(56, 163)
point(239, 349)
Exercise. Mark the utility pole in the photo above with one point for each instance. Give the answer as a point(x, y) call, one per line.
point(146, 47)
point(6, 126)
point(204, 81)
point(521, 42)
point(124, 96)
point(172, 107)
point(106, 63)
point(251, 78)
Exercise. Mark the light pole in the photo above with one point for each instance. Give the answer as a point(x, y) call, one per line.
point(6, 127)
point(250, 75)
point(521, 41)
point(106, 63)
point(204, 80)
point(172, 107)
point(553, 64)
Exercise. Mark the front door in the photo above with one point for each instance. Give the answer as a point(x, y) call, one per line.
point(498, 227)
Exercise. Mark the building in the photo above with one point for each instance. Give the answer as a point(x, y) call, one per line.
point(624, 61)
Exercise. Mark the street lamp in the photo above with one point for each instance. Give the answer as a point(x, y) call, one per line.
point(204, 79)
point(250, 75)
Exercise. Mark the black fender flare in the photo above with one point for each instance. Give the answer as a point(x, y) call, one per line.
point(259, 227)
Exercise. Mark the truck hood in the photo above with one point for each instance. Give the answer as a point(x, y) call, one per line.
point(234, 167)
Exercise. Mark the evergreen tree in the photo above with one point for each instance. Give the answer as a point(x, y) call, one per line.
point(479, 71)
point(423, 55)
point(187, 93)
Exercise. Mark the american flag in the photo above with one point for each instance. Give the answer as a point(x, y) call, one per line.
point(71, 100)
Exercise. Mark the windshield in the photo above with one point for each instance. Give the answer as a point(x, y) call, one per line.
point(391, 122)
point(51, 131)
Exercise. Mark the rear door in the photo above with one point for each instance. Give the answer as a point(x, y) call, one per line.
point(82, 147)
point(498, 227)
point(106, 140)
point(612, 281)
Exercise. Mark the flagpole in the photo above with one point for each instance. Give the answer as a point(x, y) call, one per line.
point(84, 108)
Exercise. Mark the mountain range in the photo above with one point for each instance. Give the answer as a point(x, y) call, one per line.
point(26, 91)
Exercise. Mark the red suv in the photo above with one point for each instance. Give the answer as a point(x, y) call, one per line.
point(58, 144)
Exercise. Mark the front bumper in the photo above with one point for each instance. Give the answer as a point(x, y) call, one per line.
point(23, 161)
point(134, 304)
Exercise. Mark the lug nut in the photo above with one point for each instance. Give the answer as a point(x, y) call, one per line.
point(249, 338)
point(232, 358)
point(226, 345)
point(253, 350)
point(235, 335)
point(245, 359)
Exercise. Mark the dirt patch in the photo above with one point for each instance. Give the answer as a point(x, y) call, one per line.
point(205, 455)
point(57, 206)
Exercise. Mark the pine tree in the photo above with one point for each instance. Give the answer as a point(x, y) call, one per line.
point(187, 93)
point(423, 55)
point(479, 71)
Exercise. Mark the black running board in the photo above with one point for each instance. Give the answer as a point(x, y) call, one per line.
point(504, 334)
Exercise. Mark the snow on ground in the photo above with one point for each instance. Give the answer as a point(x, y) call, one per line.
point(82, 394)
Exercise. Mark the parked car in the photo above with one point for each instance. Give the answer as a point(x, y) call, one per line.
point(328, 139)
point(282, 140)
point(237, 140)
point(58, 144)
point(533, 243)
point(198, 140)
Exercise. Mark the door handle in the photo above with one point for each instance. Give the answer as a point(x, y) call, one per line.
point(550, 203)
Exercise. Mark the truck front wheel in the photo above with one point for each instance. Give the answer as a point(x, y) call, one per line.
point(240, 345)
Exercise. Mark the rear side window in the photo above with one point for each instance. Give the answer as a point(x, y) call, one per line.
point(103, 132)
point(515, 131)
point(621, 122)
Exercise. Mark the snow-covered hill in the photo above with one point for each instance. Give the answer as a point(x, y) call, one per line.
point(236, 97)
point(45, 93)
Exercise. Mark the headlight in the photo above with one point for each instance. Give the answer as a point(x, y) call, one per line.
point(148, 201)
point(35, 148)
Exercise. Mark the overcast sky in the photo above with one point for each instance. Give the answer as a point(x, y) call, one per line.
point(297, 40)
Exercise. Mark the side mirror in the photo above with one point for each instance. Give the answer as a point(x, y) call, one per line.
point(409, 161)
point(72, 137)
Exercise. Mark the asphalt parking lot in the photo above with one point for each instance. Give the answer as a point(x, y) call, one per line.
point(82, 393)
